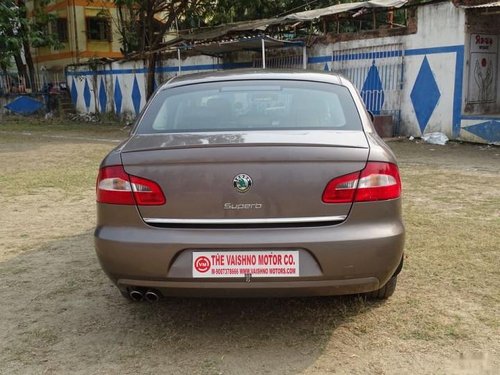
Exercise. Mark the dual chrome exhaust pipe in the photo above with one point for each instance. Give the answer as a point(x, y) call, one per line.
point(149, 295)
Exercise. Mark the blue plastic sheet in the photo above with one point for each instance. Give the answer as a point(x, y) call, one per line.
point(24, 105)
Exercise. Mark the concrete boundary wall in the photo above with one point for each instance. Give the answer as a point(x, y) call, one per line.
point(432, 85)
point(120, 87)
point(431, 97)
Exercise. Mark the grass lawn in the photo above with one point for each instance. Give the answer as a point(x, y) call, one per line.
point(61, 314)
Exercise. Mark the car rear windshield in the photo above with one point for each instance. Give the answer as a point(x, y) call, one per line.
point(251, 105)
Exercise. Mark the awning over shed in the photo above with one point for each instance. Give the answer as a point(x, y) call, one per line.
point(491, 4)
point(310, 15)
point(242, 44)
point(219, 31)
point(264, 24)
point(235, 37)
point(478, 4)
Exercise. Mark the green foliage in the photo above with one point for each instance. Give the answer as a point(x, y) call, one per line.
point(226, 11)
point(217, 12)
point(8, 27)
point(18, 31)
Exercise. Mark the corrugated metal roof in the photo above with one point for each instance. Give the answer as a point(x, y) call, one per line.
point(492, 4)
point(263, 24)
point(251, 43)
point(310, 15)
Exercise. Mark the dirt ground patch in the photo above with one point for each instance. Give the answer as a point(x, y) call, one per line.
point(61, 314)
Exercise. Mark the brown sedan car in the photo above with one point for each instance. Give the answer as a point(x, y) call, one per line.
point(251, 183)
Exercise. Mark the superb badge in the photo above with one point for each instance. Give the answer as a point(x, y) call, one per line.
point(242, 182)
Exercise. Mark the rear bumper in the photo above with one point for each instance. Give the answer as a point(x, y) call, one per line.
point(358, 255)
point(255, 289)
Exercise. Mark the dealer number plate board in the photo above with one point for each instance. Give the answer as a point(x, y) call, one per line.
point(224, 264)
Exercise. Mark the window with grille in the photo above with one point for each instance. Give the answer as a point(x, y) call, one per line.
point(98, 28)
point(59, 27)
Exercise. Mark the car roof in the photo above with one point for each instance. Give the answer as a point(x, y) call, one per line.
point(254, 74)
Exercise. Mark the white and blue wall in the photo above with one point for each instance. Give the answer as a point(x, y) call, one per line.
point(435, 76)
point(433, 81)
point(120, 87)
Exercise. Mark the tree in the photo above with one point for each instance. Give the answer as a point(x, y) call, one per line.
point(9, 44)
point(143, 25)
point(19, 33)
point(227, 11)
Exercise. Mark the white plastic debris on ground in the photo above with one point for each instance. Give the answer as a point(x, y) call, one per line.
point(84, 117)
point(435, 138)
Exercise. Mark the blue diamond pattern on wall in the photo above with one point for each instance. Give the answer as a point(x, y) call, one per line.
point(489, 130)
point(372, 91)
point(136, 96)
point(74, 92)
point(424, 95)
point(103, 97)
point(118, 97)
point(86, 94)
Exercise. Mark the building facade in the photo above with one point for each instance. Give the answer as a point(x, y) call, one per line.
point(85, 30)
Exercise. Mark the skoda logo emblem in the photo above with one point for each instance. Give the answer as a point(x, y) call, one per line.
point(242, 182)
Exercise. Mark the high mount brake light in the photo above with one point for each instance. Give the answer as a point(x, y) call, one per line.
point(377, 181)
point(115, 186)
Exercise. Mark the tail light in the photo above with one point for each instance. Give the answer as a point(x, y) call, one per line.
point(115, 186)
point(378, 181)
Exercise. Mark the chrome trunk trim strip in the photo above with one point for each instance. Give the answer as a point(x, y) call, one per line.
point(273, 220)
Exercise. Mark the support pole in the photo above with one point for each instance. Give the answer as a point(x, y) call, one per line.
point(304, 57)
point(75, 30)
point(263, 53)
point(179, 60)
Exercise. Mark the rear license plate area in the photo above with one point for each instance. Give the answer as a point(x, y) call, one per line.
point(244, 263)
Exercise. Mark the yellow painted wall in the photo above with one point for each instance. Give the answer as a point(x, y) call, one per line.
point(58, 59)
point(44, 51)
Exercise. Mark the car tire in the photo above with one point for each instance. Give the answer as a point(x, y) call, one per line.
point(386, 291)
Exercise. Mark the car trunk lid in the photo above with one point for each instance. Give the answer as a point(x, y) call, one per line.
point(199, 174)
